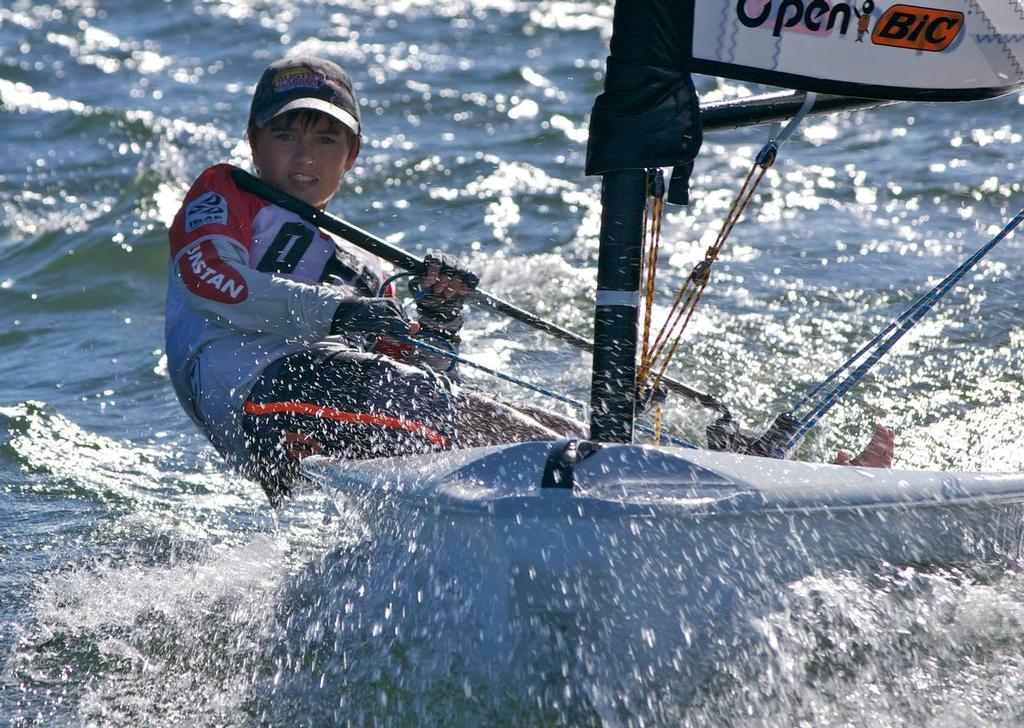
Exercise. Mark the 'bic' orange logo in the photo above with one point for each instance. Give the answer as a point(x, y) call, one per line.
point(917, 28)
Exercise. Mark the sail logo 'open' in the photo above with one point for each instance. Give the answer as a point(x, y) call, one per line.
point(817, 16)
point(918, 28)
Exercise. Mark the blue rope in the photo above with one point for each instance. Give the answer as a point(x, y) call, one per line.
point(827, 397)
point(456, 359)
point(449, 349)
point(493, 372)
point(522, 383)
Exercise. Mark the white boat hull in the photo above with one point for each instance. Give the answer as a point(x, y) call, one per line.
point(646, 558)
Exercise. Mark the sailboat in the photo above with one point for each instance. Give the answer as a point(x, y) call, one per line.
point(647, 538)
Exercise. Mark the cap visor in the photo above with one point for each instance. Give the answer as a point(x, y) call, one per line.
point(316, 105)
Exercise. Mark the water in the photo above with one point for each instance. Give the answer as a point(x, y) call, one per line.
point(141, 583)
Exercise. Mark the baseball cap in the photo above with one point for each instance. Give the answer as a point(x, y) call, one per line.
point(305, 82)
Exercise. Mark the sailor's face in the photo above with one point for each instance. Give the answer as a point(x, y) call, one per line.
point(304, 160)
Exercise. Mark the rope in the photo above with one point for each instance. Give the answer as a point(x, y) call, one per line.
point(451, 353)
point(520, 382)
point(690, 293)
point(493, 372)
point(686, 300)
point(654, 213)
point(826, 397)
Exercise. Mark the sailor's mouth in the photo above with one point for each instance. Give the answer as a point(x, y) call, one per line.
point(302, 178)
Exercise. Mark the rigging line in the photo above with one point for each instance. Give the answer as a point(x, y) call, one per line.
point(652, 249)
point(904, 323)
point(689, 306)
point(798, 117)
point(650, 259)
point(694, 286)
point(926, 299)
point(657, 426)
point(654, 213)
point(702, 273)
point(665, 333)
point(493, 372)
point(521, 382)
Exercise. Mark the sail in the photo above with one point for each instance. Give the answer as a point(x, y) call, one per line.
point(931, 50)
point(925, 50)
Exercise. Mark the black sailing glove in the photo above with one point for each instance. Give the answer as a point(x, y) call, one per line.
point(441, 287)
point(371, 316)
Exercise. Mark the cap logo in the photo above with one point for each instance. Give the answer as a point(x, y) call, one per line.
point(298, 77)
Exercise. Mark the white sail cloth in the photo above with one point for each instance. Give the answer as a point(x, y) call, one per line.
point(935, 50)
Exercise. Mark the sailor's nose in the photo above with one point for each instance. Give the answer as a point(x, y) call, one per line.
point(305, 154)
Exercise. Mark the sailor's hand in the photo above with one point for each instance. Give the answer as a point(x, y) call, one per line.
point(440, 288)
point(371, 316)
point(878, 453)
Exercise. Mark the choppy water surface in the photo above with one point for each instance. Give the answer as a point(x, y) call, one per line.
point(141, 583)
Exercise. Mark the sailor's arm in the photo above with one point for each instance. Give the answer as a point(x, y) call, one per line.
point(214, 271)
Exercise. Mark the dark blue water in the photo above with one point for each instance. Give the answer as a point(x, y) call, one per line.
point(142, 583)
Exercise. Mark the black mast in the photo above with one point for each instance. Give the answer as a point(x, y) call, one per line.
point(623, 197)
point(648, 116)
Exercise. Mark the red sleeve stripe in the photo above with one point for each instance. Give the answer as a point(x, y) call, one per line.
point(356, 418)
point(207, 275)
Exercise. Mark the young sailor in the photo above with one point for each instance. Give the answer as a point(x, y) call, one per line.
point(278, 336)
point(280, 339)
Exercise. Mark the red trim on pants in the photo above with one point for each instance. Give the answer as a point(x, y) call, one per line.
point(357, 418)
